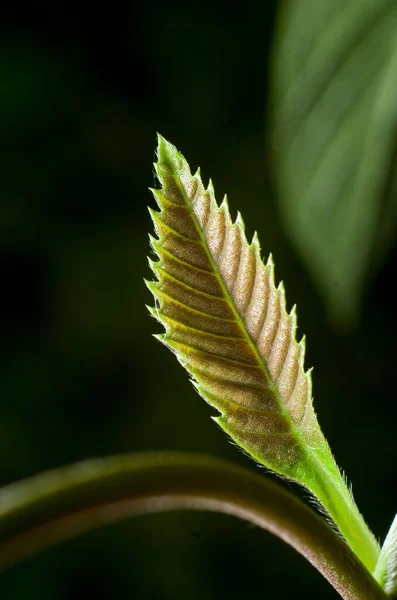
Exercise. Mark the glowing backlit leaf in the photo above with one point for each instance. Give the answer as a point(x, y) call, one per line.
point(227, 323)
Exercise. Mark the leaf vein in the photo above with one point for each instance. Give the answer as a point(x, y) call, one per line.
point(189, 287)
point(200, 331)
point(224, 380)
point(212, 355)
point(296, 375)
point(177, 233)
point(160, 292)
point(248, 293)
point(163, 250)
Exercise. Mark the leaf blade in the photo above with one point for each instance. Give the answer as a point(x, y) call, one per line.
point(256, 310)
point(237, 340)
point(333, 130)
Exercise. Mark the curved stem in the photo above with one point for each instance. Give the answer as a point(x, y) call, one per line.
point(45, 509)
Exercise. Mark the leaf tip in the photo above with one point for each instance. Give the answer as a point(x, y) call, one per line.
point(302, 343)
point(153, 243)
point(224, 206)
point(153, 312)
point(158, 196)
point(294, 317)
point(149, 284)
point(152, 287)
point(152, 264)
point(160, 337)
point(161, 143)
point(239, 221)
point(157, 221)
point(255, 242)
point(225, 203)
point(168, 158)
point(152, 213)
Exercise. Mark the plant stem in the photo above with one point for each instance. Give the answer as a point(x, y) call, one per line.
point(45, 509)
point(331, 490)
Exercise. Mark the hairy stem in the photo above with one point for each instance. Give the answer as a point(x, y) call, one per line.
point(60, 504)
point(331, 490)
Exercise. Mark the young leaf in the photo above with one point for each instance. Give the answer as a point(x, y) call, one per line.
point(227, 323)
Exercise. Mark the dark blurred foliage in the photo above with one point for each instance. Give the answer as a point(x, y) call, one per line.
point(83, 91)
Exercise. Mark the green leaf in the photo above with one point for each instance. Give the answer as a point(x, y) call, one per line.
point(227, 323)
point(332, 124)
point(386, 569)
point(48, 508)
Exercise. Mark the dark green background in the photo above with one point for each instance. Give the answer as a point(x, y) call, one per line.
point(82, 93)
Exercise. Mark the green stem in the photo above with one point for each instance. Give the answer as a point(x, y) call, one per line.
point(45, 509)
point(331, 490)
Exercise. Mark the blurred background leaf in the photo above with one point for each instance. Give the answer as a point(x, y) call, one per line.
point(83, 92)
point(333, 126)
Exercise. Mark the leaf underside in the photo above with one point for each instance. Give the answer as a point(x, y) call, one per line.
point(227, 322)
